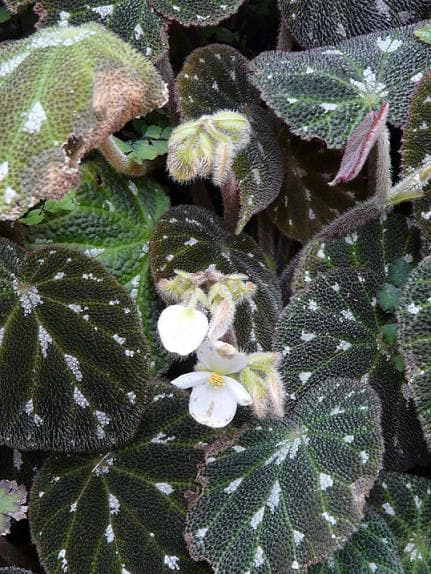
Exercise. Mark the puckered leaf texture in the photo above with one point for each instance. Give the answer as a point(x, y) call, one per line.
point(322, 22)
point(124, 512)
point(327, 92)
point(288, 493)
point(113, 221)
point(191, 239)
point(414, 323)
point(64, 91)
point(74, 362)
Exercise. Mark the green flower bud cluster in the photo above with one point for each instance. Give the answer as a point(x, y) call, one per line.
point(207, 147)
point(262, 380)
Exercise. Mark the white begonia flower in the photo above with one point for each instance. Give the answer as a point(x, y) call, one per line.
point(182, 329)
point(215, 396)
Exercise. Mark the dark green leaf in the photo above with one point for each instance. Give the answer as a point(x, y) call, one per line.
point(405, 503)
point(327, 92)
point(113, 221)
point(124, 512)
point(73, 360)
point(332, 328)
point(191, 239)
point(316, 23)
point(290, 492)
point(414, 323)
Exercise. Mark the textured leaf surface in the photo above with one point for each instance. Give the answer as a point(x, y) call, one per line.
point(46, 129)
point(215, 78)
point(133, 20)
point(332, 328)
point(191, 239)
point(306, 202)
point(290, 492)
point(416, 151)
point(374, 245)
point(128, 505)
point(405, 503)
point(414, 324)
point(327, 92)
point(322, 22)
point(12, 498)
point(196, 12)
point(371, 549)
point(113, 222)
point(74, 362)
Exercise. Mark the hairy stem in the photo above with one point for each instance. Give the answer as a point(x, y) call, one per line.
point(380, 168)
point(119, 161)
point(230, 203)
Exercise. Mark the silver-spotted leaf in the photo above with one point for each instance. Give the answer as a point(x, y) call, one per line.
point(113, 221)
point(64, 91)
point(196, 12)
point(191, 239)
point(416, 151)
point(306, 202)
point(414, 323)
point(319, 23)
point(12, 500)
point(20, 466)
point(327, 92)
point(73, 359)
point(129, 505)
point(405, 503)
point(290, 492)
point(133, 20)
point(371, 549)
point(13, 570)
point(333, 328)
point(215, 78)
point(376, 244)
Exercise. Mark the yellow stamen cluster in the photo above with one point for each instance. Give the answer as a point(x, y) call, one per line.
point(216, 380)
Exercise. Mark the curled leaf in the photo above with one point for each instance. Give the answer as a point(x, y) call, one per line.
point(47, 129)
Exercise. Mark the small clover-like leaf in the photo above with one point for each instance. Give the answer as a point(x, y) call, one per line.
point(133, 20)
point(74, 362)
point(371, 549)
point(405, 503)
point(196, 12)
point(378, 244)
point(290, 492)
point(416, 151)
point(332, 328)
point(128, 505)
point(192, 239)
point(46, 128)
point(414, 322)
point(12, 500)
point(306, 202)
point(322, 22)
point(113, 221)
point(327, 92)
point(215, 78)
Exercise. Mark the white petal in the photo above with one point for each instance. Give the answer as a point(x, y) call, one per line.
point(213, 407)
point(242, 396)
point(191, 379)
point(222, 364)
point(182, 329)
